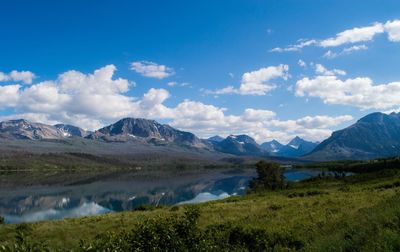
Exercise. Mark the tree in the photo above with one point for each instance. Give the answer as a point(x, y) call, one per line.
point(270, 177)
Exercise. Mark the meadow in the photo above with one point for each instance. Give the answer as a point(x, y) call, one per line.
point(354, 213)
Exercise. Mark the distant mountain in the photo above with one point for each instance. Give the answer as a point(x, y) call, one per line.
point(215, 139)
point(146, 130)
point(239, 145)
point(375, 135)
point(273, 147)
point(71, 131)
point(295, 148)
point(22, 129)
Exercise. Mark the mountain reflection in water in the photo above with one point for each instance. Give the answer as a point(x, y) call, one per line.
point(30, 204)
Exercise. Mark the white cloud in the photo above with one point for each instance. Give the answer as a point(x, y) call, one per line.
point(348, 50)
point(259, 124)
point(330, 55)
point(323, 121)
point(15, 76)
point(82, 99)
point(257, 114)
point(360, 92)
point(302, 63)
point(358, 34)
point(176, 84)
point(355, 48)
point(152, 70)
point(9, 95)
point(256, 82)
point(172, 83)
point(94, 100)
point(349, 36)
point(393, 29)
point(320, 69)
point(296, 47)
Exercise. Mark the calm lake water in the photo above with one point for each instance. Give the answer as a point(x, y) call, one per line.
point(36, 203)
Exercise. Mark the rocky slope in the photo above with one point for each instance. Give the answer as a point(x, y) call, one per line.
point(22, 129)
point(295, 148)
point(375, 135)
point(137, 129)
point(239, 145)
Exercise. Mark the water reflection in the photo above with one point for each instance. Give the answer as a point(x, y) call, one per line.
point(29, 204)
point(36, 203)
point(86, 209)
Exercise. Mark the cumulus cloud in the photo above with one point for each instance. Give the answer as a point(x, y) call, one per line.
point(25, 77)
point(360, 92)
point(320, 69)
point(256, 82)
point(96, 99)
point(152, 70)
point(82, 99)
point(9, 95)
point(263, 125)
point(349, 36)
point(393, 29)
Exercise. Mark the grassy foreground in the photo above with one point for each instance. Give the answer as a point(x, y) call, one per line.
point(357, 213)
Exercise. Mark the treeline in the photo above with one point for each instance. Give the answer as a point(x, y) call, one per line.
point(357, 166)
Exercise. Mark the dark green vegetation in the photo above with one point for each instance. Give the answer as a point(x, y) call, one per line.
point(270, 177)
point(374, 165)
point(354, 213)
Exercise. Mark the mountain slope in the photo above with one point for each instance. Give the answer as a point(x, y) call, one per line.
point(215, 139)
point(295, 148)
point(272, 147)
point(138, 129)
point(22, 129)
point(70, 130)
point(239, 145)
point(375, 135)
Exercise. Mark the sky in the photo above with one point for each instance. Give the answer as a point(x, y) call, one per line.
point(269, 69)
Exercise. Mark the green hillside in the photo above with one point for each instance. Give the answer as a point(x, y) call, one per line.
point(354, 213)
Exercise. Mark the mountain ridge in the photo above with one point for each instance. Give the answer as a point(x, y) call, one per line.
point(295, 148)
point(372, 136)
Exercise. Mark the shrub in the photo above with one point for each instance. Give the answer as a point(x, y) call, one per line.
point(22, 244)
point(183, 234)
point(270, 177)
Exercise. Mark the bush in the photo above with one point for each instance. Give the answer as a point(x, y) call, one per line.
point(22, 244)
point(270, 177)
point(2, 220)
point(183, 234)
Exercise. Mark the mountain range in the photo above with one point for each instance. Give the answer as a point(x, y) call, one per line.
point(375, 135)
point(22, 129)
point(146, 130)
point(297, 147)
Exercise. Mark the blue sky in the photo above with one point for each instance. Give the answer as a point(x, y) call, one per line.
point(208, 66)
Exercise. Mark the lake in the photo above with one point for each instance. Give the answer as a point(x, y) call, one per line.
point(37, 203)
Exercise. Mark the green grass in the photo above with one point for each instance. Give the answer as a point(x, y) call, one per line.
point(357, 213)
